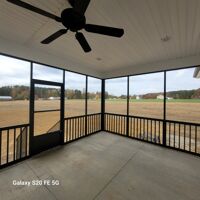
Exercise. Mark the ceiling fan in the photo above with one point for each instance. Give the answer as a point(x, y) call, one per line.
point(74, 20)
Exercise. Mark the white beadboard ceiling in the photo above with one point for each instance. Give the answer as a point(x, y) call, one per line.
point(140, 50)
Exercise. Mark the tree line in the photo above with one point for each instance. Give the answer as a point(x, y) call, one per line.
point(181, 94)
point(23, 92)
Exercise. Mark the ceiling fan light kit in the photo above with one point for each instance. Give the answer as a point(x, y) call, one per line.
point(73, 19)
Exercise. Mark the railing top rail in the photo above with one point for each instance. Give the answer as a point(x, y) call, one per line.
point(185, 123)
point(74, 117)
point(155, 119)
point(14, 127)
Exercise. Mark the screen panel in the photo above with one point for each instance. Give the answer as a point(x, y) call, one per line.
point(146, 94)
point(43, 72)
point(46, 122)
point(75, 87)
point(47, 97)
point(14, 91)
point(116, 95)
point(183, 95)
point(94, 95)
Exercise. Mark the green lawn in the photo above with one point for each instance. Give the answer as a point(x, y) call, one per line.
point(157, 100)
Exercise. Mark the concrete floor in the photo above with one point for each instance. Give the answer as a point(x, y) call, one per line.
point(106, 166)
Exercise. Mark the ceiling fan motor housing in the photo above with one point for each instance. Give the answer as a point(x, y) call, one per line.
point(72, 20)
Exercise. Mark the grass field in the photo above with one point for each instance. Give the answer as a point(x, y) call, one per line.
point(157, 100)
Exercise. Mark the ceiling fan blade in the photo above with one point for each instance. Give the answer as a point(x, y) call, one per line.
point(83, 42)
point(104, 30)
point(35, 9)
point(54, 36)
point(71, 2)
point(80, 5)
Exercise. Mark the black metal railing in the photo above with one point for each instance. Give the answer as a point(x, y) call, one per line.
point(147, 129)
point(115, 123)
point(183, 136)
point(14, 143)
point(81, 126)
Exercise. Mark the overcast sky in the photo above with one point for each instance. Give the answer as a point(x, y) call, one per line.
point(17, 72)
point(141, 84)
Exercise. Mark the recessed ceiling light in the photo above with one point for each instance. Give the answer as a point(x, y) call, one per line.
point(99, 59)
point(165, 38)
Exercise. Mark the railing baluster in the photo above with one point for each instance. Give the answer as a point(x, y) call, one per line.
point(140, 128)
point(184, 137)
point(8, 131)
point(195, 139)
point(144, 129)
point(137, 127)
point(0, 145)
point(66, 128)
point(147, 130)
point(68, 132)
point(169, 133)
point(151, 130)
point(159, 131)
point(179, 136)
point(109, 122)
point(155, 135)
point(134, 135)
point(70, 125)
point(190, 138)
point(26, 137)
point(83, 127)
point(73, 131)
point(14, 138)
point(116, 124)
point(130, 124)
point(108, 118)
point(93, 124)
point(75, 127)
point(98, 122)
point(174, 139)
point(79, 126)
point(21, 143)
point(88, 124)
point(115, 127)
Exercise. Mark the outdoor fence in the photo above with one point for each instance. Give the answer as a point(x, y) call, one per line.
point(81, 126)
point(14, 143)
point(183, 136)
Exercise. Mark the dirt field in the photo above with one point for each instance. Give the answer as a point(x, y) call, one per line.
point(188, 112)
point(17, 112)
